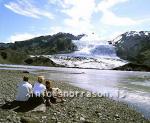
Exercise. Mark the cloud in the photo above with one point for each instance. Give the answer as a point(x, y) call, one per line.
point(79, 9)
point(107, 4)
point(79, 14)
point(58, 3)
point(24, 7)
point(110, 18)
point(21, 37)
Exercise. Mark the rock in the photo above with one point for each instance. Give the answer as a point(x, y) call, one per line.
point(53, 118)
point(18, 119)
point(55, 114)
point(40, 108)
point(29, 120)
point(59, 113)
point(9, 118)
point(99, 114)
point(88, 121)
point(96, 112)
point(116, 116)
point(79, 107)
point(25, 72)
point(69, 113)
point(82, 119)
point(2, 120)
point(133, 67)
point(44, 117)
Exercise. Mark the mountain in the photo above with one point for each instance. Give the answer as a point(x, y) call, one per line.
point(134, 46)
point(20, 51)
point(58, 43)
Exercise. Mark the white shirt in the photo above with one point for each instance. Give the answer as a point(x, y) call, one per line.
point(23, 91)
point(38, 88)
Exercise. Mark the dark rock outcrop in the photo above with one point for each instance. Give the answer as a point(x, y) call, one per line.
point(133, 67)
point(42, 61)
point(134, 47)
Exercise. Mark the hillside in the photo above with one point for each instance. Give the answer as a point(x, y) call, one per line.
point(20, 51)
point(58, 43)
point(134, 47)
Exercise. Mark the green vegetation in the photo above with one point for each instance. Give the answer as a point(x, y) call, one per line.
point(9, 56)
point(42, 61)
point(46, 45)
point(134, 48)
point(19, 52)
point(133, 67)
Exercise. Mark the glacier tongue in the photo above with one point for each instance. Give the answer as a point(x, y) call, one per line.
point(87, 62)
point(90, 54)
point(94, 48)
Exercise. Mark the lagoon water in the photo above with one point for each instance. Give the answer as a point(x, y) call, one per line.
point(130, 87)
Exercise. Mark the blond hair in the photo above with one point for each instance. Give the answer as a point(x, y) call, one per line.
point(40, 79)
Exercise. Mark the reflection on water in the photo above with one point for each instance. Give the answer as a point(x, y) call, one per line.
point(132, 87)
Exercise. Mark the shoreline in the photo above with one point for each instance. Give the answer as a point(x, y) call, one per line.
point(121, 68)
point(75, 109)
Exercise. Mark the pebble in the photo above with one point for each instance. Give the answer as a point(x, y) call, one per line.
point(82, 119)
point(44, 117)
point(1, 120)
point(116, 116)
point(53, 118)
point(96, 112)
point(28, 120)
point(99, 114)
point(79, 107)
point(55, 114)
point(9, 118)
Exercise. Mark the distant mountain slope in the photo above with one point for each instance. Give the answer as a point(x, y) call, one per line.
point(134, 46)
point(58, 43)
point(18, 52)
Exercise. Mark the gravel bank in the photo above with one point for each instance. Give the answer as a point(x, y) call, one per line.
point(74, 110)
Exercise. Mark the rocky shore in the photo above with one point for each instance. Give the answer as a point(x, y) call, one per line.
point(74, 110)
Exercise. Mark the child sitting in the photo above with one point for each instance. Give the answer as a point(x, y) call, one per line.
point(53, 94)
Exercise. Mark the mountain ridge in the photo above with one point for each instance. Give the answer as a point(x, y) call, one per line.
point(19, 51)
point(134, 46)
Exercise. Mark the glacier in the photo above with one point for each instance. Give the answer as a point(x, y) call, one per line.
point(91, 53)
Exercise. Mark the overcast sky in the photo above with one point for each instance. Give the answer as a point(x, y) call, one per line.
point(24, 19)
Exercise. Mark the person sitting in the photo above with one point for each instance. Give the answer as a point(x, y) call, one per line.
point(21, 103)
point(53, 94)
point(39, 90)
point(24, 90)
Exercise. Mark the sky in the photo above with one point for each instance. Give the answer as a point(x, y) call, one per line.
point(102, 19)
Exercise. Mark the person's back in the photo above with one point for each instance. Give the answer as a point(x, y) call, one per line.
point(39, 88)
point(24, 89)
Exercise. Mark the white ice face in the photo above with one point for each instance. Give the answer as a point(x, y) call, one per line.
point(90, 54)
point(82, 62)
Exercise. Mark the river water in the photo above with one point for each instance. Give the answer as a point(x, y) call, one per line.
point(130, 87)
